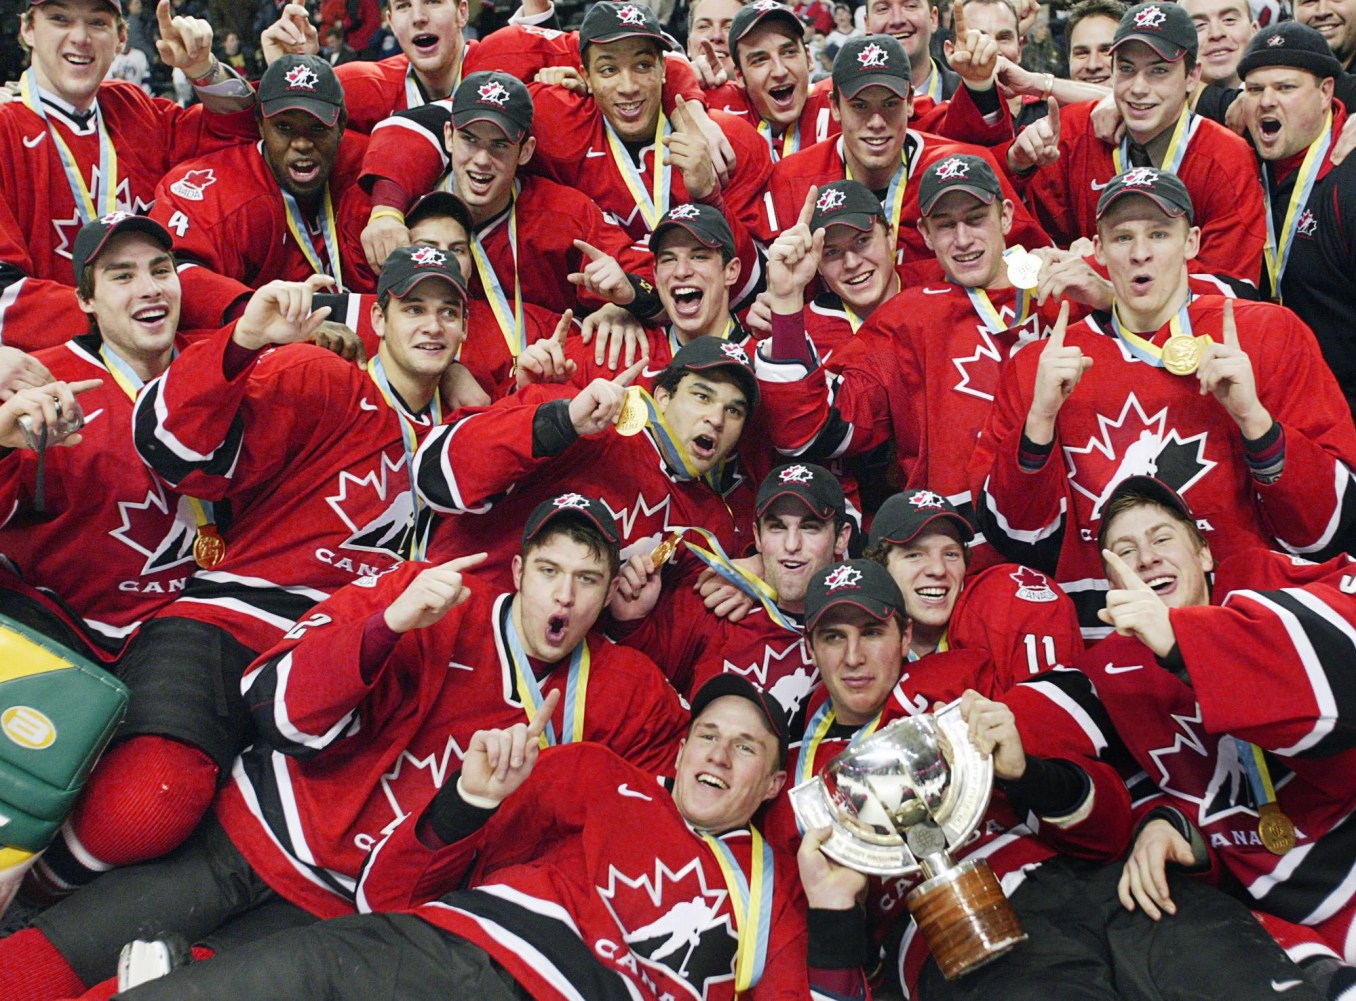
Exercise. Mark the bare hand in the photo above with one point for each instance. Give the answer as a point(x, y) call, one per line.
point(458, 388)
point(544, 360)
point(19, 370)
point(341, 340)
point(711, 69)
point(1226, 373)
point(1134, 608)
point(793, 259)
point(42, 408)
point(972, 54)
point(431, 595)
point(638, 589)
point(718, 148)
point(499, 761)
point(596, 407)
point(618, 337)
point(292, 34)
point(1144, 880)
point(688, 151)
point(828, 885)
point(603, 276)
point(760, 313)
point(723, 599)
point(383, 234)
point(280, 313)
point(1344, 143)
point(1107, 123)
point(1065, 275)
point(993, 729)
point(1037, 145)
point(185, 42)
point(1057, 375)
point(563, 76)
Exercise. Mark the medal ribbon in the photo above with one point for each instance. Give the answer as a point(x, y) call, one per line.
point(510, 325)
point(409, 440)
point(817, 729)
point(329, 233)
point(1277, 252)
point(576, 687)
point(1177, 145)
point(746, 581)
point(1145, 350)
point(932, 86)
point(1254, 764)
point(652, 206)
point(894, 195)
point(752, 906)
point(675, 456)
point(790, 139)
point(103, 200)
point(675, 344)
point(130, 383)
point(988, 312)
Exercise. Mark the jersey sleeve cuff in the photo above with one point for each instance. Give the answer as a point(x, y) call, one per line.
point(552, 430)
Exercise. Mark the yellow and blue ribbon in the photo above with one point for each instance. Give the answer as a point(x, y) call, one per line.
point(1276, 252)
point(653, 204)
point(790, 139)
point(510, 324)
point(1145, 350)
point(576, 687)
point(329, 233)
point(752, 906)
point(409, 440)
point(1177, 145)
point(103, 200)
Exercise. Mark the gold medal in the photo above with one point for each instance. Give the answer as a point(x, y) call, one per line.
point(1182, 354)
point(1024, 267)
point(663, 552)
point(209, 548)
point(633, 415)
point(1276, 829)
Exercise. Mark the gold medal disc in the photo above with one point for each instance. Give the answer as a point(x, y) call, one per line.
point(1276, 829)
point(633, 415)
point(1182, 354)
point(209, 548)
point(663, 552)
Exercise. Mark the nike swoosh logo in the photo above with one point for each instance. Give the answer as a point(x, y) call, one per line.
point(596, 152)
point(32, 141)
point(1112, 669)
point(1098, 187)
point(936, 291)
point(452, 665)
point(89, 418)
point(652, 373)
point(1284, 985)
point(363, 404)
point(625, 790)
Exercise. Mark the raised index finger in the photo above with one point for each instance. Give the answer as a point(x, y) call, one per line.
point(1052, 114)
point(1061, 325)
point(589, 250)
point(466, 562)
point(1230, 327)
point(807, 210)
point(625, 378)
point(1127, 577)
point(563, 327)
point(543, 717)
point(958, 21)
point(681, 118)
point(163, 17)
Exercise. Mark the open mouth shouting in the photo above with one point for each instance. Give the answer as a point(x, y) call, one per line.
point(703, 447)
point(1269, 131)
point(478, 183)
point(426, 43)
point(782, 99)
point(151, 317)
point(556, 627)
point(687, 301)
point(304, 171)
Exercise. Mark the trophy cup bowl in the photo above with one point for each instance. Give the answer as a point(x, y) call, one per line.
point(901, 802)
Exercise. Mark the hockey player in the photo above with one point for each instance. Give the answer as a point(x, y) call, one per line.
point(249, 215)
point(677, 472)
point(1155, 68)
point(78, 148)
point(534, 883)
point(872, 95)
point(912, 23)
point(1266, 460)
point(801, 528)
point(362, 711)
point(1334, 21)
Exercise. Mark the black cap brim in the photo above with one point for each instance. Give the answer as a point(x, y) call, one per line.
point(439, 203)
point(983, 194)
point(1170, 51)
point(890, 82)
point(878, 609)
point(513, 131)
point(899, 537)
point(323, 110)
point(784, 14)
point(1169, 207)
point(405, 286)
point(706, 240)
point(747, 380)
point(855, 220)
point(607, 527)
point(764, 502)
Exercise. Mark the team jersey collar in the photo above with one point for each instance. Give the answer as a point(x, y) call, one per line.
point(80, 122)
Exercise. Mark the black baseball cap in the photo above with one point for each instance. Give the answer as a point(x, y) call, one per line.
point(846, 203)
point(903, 516)
point(497, 98)
point(962, 172)
point(864, 584)
point(701, 354)
point(307, 83)
point(1163, 187)
point(708, 226)
point(1163, 26)
point(814, 486)
point(736, 684)
point(609, 21)
point(1289, 43)
point(437, 203)
point(94, 236)
point(871, 61)
point(758, 12)
point(115, 4)
point(1155, 490)
point(406, 267)
point(573, 505)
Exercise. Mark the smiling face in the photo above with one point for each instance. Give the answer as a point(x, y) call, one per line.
point(1163, 552)
point(859, 265)
point(135, 298)
point(1285, 108)
point(420, 334)
point(860, 659)
point(626, 78)
point(706, 413)
point(775, 67)
point(484, 164)
point(1150, 91)
point(930, 572)
point(796, 544)
point(1090, 57)
point(727, 767)
point(969, 238)
point(693, 282)
point(429, 32)
point(1223, 28)
point(999, 21)
point(711, 20)
point(875, 121)
point(563, 584)
point(74, 42)
point(1145, 252)
point(910, 21)
point(1335, 20)
point(300, 150)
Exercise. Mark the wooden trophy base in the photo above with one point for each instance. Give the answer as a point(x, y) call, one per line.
point(965, 918)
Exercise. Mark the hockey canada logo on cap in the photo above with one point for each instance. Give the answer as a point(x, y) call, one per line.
point(301, 78)
point(736, 352)
point(925, 498)
point(843, 576)
point(681, 212)
point(631, 14)
point(1150, 17)
point(1140, 177)
point(494, 93)
point(766, 5)
point(113, 218)
point(578, 501)
point(1275, 40)
point(1032, 585)
point(955, 167)
point(796, 474)
point(429, 257)
point(191, 185)
point(872, 56)
point(830, 200)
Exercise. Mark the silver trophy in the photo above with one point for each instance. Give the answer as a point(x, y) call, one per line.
point(902, 801)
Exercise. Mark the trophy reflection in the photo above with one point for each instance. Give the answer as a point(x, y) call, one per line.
point(901, 802)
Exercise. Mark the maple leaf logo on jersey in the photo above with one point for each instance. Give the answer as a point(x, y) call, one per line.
point(493, 92)
point(429, 257)
point(1140, 177)
point(788, 679)
point(409, 784)
point(735, 352)
point(674, 926)
point(1276, 40)
point(796, 474)
point(842, 577)
point(631, 14)
point(680, 212)
point(872, 56)
point(926, 498)
point(301, 78)
point(144, 529)
point(385, 490)
point(954, 167)
point(1135, 444)
point(1307, 225)
point(979, 370)
point(1203, 769)
point(1150, 17)
point(571, 501)
point(67, 228)
point(193, 183)
point(1032, 585)
point(830, 200)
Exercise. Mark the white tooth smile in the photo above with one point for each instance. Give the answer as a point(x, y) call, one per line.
point(712, 781)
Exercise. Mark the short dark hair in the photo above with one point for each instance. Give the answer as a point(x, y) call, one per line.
point(1126, 500)
point(734, 52)
point(880, 552)
point(692, 12)
point(670, 378)
point(578, 529)
point(1113, 9)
